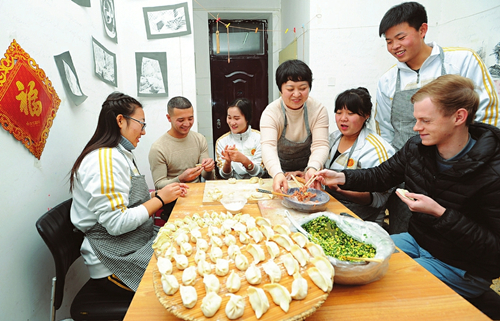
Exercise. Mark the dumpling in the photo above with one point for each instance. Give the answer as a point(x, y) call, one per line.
point(272, 249)
point(324, 266)
point(255, 234)
point(258, 300)
point(186, 249)
point(221, 267)
point(235, 307)
point(214, 231)
point(241, 261)
point(181, 238)
point(170, 252)
point(250, 222)
point(300, 239)
point(300, 254)
point(290, 263)
point(253, 275)
point(240, 227)
point(204, 268)
point(315, 249)
point(320, 279)
point(299, 287)
point(244, 238)
point(229, 240)
point(210, 304)
point(188, 296)
point(215, 253)
point(181, 261)
point(282, 229)
point(280, 295)
point(201, 244)
point(233, 282)
point(195, 235)
point(257, 252)
point(232, 250)
point(267, 231)
point(262, 221)
point(189, 276)
point(199, 256)
point(231, 180)
point(164, 265)
point(254, 180)
point(215, 240)
point(225, 229)
point(212, 283)
point(283, 240)
point(169, 283)
point(272, 270)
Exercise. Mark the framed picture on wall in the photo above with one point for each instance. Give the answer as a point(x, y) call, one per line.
point(83, 3)
point(69, 78)
point(104, 63)
point(108, 19)
point(151, 74)
point(167, 21)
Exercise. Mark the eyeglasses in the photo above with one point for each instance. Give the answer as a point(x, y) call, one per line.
point(137, 120)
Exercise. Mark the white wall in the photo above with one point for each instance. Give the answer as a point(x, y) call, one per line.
point(29, 187)
point(343, 50)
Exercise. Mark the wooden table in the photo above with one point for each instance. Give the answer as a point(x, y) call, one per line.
point(406, 292)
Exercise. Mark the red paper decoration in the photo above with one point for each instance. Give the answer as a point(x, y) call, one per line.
point(28, 102)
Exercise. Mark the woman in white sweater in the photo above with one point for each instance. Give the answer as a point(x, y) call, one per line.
point(239, 151)
point(354, 146)
point(112, 204)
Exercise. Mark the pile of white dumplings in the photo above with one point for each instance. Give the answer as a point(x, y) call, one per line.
point(194, 245)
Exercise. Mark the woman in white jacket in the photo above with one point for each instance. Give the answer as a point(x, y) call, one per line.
point(112, 204)
point(239, 151)
point(354, 146)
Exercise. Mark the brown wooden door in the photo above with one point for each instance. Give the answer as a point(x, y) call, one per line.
point(245, 76)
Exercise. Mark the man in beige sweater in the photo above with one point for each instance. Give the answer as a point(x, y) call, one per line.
point(180, 155)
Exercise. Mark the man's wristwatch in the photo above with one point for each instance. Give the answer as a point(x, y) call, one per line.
point(250, 166)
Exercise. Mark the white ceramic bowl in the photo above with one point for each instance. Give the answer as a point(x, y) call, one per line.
point(233, 203)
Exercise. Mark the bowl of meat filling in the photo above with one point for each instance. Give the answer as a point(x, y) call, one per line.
point(306, 200)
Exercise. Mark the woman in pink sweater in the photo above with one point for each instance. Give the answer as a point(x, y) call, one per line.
point(294, 127)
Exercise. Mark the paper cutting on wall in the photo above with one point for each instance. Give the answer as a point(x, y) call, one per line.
point(167, 21)
point(104, 63)
point(109, 19)
point(69, 78)
point(28, 102)
point(151, 74)
point(83, 3)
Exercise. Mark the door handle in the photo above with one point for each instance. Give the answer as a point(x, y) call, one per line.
point(219, 125)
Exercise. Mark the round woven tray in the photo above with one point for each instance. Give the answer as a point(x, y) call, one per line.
point(298, 310)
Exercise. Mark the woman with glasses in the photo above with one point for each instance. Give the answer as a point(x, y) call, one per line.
point(112, 204)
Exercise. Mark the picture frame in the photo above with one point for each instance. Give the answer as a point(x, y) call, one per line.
point(69, 78)
point(167, 21)
point(109, 19)
point(104, 63)
point(151, 68)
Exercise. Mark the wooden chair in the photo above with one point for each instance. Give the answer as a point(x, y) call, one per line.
point(64, 241)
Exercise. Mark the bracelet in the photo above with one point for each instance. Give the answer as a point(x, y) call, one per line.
point(158, 197)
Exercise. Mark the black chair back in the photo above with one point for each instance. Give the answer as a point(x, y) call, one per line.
point(63, 241)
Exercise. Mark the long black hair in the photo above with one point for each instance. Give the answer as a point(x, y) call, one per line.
point(107, 133)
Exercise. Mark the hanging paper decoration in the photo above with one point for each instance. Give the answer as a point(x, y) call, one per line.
point(28, 102)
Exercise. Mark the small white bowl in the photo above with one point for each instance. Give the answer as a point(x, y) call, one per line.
point(233, 204)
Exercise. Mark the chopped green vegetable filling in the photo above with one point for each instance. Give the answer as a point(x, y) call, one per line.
point(334, 241)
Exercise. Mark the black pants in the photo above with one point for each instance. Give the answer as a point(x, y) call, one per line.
point(167, 209)
point(114, 286)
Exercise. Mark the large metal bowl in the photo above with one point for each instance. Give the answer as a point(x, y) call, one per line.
point(315, 204)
